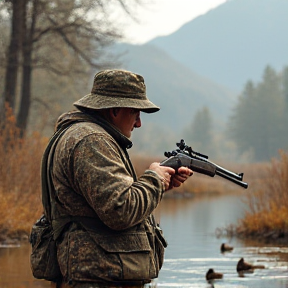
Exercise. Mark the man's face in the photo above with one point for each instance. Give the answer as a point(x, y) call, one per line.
point(126, 120)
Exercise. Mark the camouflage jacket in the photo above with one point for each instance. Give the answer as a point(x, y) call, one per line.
point(94, 178)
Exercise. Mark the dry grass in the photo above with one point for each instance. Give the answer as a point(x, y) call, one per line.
point(268, 202)
point(20, 158)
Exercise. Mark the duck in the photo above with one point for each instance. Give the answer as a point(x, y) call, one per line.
point(211, 275)
point(225, 247)
point(245, 266)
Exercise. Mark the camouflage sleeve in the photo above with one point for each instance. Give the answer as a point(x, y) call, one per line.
point(102, 176)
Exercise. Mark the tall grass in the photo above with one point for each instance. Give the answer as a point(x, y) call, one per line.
point(267, 213)
point(20, 158)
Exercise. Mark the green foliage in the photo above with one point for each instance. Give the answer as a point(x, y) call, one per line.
point(285, 86)
point(257, 123)
point(200, 131)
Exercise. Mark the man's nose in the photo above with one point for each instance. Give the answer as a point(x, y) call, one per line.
point(138, 123)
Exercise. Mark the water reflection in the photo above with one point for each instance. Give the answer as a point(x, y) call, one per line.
point(189, 226)
point(15, 269)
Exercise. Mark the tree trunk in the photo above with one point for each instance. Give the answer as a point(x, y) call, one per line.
point(22, 118)
point(27, 68)
point(13, 54)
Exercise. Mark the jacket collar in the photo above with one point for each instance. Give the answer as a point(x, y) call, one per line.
point(77, 116)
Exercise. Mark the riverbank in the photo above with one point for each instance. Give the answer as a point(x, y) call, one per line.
point(266, 216)
point(275, 236)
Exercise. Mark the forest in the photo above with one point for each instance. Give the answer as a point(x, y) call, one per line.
point(258, 122)
point(261, 115)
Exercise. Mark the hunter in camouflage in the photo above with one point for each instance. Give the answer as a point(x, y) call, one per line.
point(116, 242)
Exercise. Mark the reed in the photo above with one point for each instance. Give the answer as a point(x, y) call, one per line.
point(20, 158)
point(267, 213)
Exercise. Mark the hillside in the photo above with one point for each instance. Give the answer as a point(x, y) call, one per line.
point(233, 42)
point(177, 90)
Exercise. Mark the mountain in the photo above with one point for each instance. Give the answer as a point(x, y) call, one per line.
point(232, 43)
point(178, 91)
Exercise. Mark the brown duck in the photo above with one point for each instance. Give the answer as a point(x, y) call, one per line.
point(211, 275)
point(245, 266)
point(225, 247)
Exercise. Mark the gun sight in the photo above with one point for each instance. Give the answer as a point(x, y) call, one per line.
point(184, 148)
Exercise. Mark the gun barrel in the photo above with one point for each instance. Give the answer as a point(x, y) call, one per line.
point(229, 173)
point(222, 170)
point(232, 179)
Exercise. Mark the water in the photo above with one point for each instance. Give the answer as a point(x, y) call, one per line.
point(190, 227)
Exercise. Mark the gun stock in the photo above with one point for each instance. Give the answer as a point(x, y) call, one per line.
point(196, 165)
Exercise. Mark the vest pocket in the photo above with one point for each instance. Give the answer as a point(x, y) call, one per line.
point(115, 257)
point(160, 245)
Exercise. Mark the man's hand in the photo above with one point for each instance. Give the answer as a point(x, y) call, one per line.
point(183, 174)
point(168, 176)
point(164, 172)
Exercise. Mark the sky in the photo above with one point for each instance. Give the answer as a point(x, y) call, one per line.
point(163, 17)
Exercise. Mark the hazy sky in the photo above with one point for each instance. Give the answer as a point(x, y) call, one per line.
point(163, 17)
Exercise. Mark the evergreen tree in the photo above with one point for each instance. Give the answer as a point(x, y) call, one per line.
point(199, 135)
point(269, 116)
point(285, 97)
point(257, 121)
point(241, 122)
point(285, 87)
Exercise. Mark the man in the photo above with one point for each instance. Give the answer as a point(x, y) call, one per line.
point(114, 241)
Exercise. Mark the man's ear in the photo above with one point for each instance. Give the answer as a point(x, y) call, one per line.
point(114, 112)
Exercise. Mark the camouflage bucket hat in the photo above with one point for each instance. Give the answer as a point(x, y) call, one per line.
point(117, 88)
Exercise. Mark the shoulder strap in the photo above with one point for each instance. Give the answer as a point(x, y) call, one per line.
point(48, 191)
point(46, 181)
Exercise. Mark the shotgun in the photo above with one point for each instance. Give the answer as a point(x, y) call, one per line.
point(185, 156)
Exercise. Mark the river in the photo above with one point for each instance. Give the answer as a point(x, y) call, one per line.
point(190, 226)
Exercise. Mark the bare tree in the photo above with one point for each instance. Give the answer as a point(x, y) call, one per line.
point(14, 52)
point(44, 33)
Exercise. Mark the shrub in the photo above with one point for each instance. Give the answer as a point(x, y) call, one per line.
point(20, 159)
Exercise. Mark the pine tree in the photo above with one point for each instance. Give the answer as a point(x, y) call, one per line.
point(200, 134)
point(256, 123)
